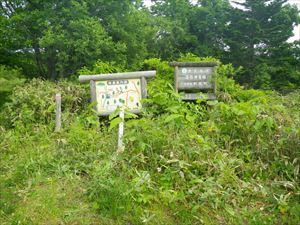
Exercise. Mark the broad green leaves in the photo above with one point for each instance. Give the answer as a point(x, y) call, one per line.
point(115, 122)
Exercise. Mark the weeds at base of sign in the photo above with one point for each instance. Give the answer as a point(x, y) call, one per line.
point(202, 98)
point(118, 118)
point(115, 119)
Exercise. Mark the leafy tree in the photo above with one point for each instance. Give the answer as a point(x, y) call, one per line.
point(14, 49)
point(208, 23)
point(56, 38)
point(127, 22)
point(173, 38)
point(76, 42)
point(284, 66)
point(256, 30)
point(61, 35)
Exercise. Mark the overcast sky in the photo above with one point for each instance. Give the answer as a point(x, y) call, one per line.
point(296, 30)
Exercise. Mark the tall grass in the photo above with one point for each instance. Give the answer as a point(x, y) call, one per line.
point(231, 161)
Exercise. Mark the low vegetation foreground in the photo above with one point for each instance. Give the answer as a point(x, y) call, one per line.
point(230, 161)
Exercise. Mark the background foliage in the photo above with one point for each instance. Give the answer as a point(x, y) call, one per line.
point(54, 39)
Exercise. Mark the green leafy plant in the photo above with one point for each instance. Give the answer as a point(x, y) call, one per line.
point(226, 161)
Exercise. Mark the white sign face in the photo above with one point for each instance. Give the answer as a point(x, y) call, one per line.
point(112, 94)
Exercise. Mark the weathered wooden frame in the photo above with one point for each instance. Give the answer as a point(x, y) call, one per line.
point(142, 75)
point(194, 96)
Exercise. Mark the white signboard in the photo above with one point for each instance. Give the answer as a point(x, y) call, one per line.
point(111, 91)
point(116, 93)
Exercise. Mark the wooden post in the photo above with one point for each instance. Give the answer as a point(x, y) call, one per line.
point(121, 132)
point(144, 87)
point(215, 81)
point(93, 94)
point(176, 78)
point(58, 112)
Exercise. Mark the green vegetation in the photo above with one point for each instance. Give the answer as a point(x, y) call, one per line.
point(231, 161)
point(235, 160)
point(9, 78)
point(54, 39)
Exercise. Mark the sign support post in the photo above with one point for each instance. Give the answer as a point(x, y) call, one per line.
point(58, 112)
point(121, 146)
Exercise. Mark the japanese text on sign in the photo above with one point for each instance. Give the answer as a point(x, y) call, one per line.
point(195, 78)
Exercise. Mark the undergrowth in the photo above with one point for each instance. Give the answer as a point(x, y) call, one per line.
point(231, 161)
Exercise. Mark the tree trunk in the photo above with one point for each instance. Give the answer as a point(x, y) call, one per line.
point(38, 58)
point(51, 63)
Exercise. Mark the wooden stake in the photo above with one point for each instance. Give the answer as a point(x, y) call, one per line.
point(58, 112)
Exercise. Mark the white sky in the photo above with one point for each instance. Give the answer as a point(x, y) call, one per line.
point(296, 29)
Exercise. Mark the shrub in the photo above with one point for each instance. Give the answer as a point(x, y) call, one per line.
point(34, 103)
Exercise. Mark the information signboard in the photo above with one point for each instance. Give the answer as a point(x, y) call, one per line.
point(193, 77)
point(111, 91)
point(117, 93)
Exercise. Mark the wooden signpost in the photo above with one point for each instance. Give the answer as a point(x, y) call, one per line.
point(118, 90)
point(194, 77)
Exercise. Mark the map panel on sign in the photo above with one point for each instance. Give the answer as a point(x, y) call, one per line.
point(112, 94)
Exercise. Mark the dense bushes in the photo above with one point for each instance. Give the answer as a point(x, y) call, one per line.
point(231, 161)
point(34, 103)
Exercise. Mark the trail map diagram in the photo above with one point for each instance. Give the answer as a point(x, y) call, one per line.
point(112, 94)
